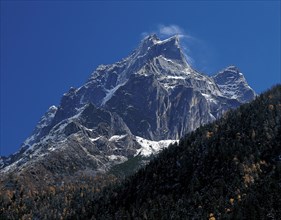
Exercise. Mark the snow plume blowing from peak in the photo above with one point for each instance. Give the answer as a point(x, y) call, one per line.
point(167, 31)
point(170, 30)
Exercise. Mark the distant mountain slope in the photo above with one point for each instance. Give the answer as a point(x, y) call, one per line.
point(229, 169)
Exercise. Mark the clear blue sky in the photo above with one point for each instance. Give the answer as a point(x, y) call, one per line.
point(48, 46)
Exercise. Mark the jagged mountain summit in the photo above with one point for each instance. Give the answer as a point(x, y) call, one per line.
point(233, 84)
point(133, 107)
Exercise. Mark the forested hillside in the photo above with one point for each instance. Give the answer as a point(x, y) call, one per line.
point(230, 169)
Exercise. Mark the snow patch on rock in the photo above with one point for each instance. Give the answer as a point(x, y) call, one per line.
point(149, 147)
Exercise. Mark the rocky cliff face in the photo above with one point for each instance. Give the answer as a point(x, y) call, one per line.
point(127, 108)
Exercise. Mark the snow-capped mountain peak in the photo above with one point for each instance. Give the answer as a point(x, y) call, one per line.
point(152, 47)
point(133, 107)
point(153, 39)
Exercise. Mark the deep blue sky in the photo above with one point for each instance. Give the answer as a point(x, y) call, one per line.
point(47, 47)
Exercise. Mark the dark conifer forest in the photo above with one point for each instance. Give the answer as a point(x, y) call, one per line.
point(229, 169)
